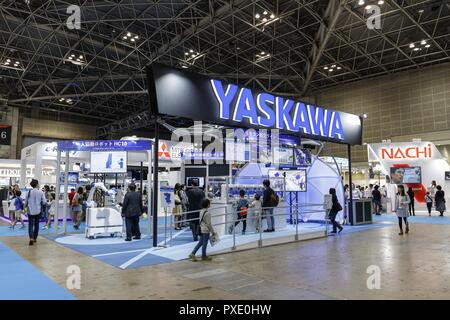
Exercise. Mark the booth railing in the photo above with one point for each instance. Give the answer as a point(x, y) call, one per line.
point(298, 210)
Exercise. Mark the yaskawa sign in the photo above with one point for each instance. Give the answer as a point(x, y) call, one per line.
point(196, 97)
point(267, 110)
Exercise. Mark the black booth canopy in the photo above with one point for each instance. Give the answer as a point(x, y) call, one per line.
point(193, 97)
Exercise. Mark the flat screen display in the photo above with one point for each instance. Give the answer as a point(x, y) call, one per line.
point(302, 157)
point(296, 181)
point(411, 175)
point(200, 181)
point(109, 162)
point(447, 175)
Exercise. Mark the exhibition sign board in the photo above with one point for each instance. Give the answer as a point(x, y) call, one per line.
point(105, 145)
point(5, 135)
point(184, 94)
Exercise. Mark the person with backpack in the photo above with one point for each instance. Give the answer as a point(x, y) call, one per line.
point(429, 202)
point(206, 229)
point(335, 208)
point(17, 205)
point(34, 202)
point(242, 210)
point(76, 208)
point(270, 200)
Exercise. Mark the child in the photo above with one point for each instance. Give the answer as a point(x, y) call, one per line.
point(51, 212)
point(242, 210)
point(257, 209)
point(206, 229)
point(429, 201)
point(18, 210)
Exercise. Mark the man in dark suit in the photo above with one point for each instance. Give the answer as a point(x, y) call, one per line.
point(196, 197)
point(131, 210)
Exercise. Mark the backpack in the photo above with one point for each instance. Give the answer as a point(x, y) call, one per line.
point(274, 199)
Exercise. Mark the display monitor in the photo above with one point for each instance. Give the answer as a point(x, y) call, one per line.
point(200, 181)
point(296, 181)
point(447, 175)
point(276, 178)
point(302, 157)
point(109, 162)
point(411, 175)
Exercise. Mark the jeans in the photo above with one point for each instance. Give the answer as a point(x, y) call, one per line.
point(202, 242)
point(33, 226)
point(76, 218)
point(429, 207)
point(132, 226)
point(244, 222)
point(195, 226)
point(335, 224)
point(268, 213)
point(400, 222)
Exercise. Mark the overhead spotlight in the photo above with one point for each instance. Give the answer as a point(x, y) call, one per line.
point(412, 45)
point(330, 70)
point(416, 49)
point(265, 13)
point(78, 60)
point(136, 37)
point(368, 7)
point(421, 11)
point(186, 53)
point(272, 16)
point(8, 60)
point(423, 42)
point(81, 57)
point(191, 51)
point(125, 38)
point(184, 66)
point(263, 53)
point(333, 66)
point(133, 40)
point(427, 46)
point(380, 2)
point(325, 68)
point(264, 20)
point(257, 16)
point(129, 34)
point(72, 55)
point(339, 68)
point(361, 2)
point(364, 115)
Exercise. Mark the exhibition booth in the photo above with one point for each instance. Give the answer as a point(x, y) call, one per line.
point(413, 164)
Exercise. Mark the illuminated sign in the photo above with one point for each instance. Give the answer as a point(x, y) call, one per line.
point(187, 95)
point(402, 153)
point(267, 110)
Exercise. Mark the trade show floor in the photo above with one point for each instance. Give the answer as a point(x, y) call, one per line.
point(20, 280)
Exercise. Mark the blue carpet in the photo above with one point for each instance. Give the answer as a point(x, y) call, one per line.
point(414, 219)
point(21, 281)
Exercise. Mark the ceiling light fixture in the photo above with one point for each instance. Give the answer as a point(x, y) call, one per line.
point(361, 2)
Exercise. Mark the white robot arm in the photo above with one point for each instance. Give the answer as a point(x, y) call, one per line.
point(101, 186)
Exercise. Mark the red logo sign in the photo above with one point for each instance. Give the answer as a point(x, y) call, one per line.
point(396, 153)
point(163, 153)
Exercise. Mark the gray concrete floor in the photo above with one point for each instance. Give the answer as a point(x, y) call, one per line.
point(414, 266)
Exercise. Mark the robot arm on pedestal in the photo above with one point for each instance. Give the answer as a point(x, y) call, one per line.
point(101, 186)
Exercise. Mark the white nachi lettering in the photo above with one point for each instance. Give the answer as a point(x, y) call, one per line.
point(269, 111)
point(246, 309)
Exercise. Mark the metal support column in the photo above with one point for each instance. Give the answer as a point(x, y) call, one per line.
point(155, 186)
point(57, 191)
point(350, 204)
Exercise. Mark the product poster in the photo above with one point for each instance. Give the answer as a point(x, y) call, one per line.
point(109, 162)
point(302, 157)
point(283, 155)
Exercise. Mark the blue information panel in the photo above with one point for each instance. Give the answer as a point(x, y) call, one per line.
point(105, 145)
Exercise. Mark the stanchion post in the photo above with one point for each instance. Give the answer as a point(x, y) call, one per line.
point(234, 232)
point(296, 224)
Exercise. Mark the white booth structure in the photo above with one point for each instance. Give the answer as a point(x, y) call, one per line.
point(101, 157)
point(414, 164)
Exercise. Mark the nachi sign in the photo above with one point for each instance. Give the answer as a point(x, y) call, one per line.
point(267, 110)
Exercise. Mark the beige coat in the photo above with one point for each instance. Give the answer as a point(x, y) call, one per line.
point(178, 208)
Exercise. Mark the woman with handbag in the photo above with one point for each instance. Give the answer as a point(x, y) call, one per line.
point(177, 210)
point(401, 204)
point(206, 229)
point(335, 208)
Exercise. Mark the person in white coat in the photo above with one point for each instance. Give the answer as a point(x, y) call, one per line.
point(401, 205)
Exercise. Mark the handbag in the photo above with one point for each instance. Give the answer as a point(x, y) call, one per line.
point(214, 239)
point(339, 207)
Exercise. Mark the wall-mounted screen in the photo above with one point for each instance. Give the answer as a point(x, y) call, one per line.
point(109, 162)
point(302, 157)
point(200, 181)
point(411, 175)
point(447, 175)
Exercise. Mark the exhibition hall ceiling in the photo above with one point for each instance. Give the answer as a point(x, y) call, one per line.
point(291, 48)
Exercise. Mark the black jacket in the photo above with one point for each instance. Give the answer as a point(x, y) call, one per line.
point(132, 204)
point(196, 197)
point(335, 207)
point(439, 196)
point(267, 202)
